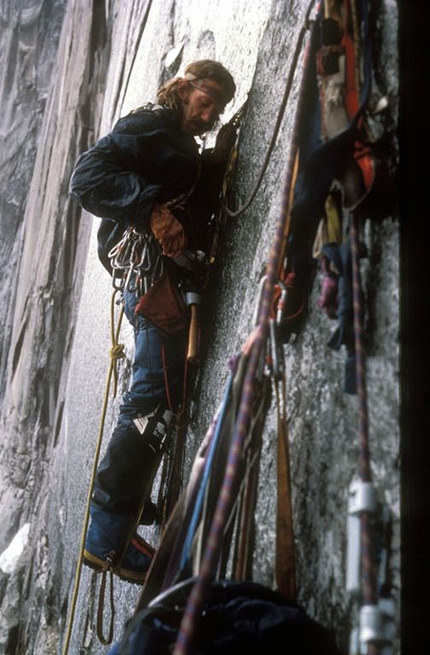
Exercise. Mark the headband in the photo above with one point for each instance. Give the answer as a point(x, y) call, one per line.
point(200, 84)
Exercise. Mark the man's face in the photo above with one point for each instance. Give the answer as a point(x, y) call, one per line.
point(201, 105)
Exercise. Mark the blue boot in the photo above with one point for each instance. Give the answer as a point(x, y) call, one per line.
point(105, 543)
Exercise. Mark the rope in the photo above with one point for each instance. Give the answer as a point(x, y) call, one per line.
point(247, 493)
point(369, 576)
point(197, 593)
point(293, 67)
point(116, 353)
point(255, 344)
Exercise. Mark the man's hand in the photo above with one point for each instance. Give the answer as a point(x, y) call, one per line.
point(168, 231)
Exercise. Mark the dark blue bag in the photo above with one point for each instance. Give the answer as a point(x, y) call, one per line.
point(235, 616)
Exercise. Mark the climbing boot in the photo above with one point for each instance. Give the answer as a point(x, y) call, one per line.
point(106, 548)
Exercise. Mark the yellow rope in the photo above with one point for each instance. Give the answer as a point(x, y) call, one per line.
point(116, 353)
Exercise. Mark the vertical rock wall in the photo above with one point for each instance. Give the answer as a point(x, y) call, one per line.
point(72, 69)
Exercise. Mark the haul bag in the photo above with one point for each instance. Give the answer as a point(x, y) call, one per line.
point(236, 617)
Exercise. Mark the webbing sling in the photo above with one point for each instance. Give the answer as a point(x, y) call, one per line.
point(285, 549)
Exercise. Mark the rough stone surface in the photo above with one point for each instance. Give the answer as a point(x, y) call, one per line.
point(70, 70)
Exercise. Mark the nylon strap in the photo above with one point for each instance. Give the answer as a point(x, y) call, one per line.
point(285, 551)
point(100, 633)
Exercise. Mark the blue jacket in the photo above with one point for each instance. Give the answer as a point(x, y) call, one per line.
point(146, 159)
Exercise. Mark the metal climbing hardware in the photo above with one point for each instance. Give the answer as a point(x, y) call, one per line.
point(265, 357)
point(136, 261)
point(377, 626)
point(384, 581)
point(257, 307)
point(280, 310)
point(192, 260)
point(376, 622)
point(276, 353)
point(361, 498)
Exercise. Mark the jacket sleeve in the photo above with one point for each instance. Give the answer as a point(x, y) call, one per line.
point(106, 181)
point(145, 159)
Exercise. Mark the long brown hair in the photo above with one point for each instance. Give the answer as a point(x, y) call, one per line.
point(205, 68)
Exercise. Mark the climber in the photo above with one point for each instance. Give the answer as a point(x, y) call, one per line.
point(150, 174)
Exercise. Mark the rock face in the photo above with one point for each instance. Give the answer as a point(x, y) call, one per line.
point(71, 69)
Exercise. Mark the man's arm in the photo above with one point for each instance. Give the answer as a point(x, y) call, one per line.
point(144, 160)
point(103, 184)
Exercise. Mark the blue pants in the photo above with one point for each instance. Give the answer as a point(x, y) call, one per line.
point(157, 378)
point(158, 367)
